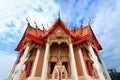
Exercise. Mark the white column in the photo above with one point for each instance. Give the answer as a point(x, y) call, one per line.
point(45, 63)
point(13, 68)
point(83, 64)
point(95, 59)
point(105, 69)
point(22, 61)
point(72, 62)
point(35, 63)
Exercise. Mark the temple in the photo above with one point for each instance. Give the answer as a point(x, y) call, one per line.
point(58, 53)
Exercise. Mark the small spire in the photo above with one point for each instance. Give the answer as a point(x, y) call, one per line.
point(47, 26)
point(43, 28)
point(27, 20)
point(59, 14)
point(90, 30)
point(81, 24)
point(89, 21)
point(74, 28)
point(35, 24)
point(42, 25)
point(36, 28)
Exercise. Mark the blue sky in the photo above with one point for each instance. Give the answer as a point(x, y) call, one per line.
point(105, 16)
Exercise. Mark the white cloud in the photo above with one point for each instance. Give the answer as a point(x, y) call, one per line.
point(106, 26)
point(17, 11)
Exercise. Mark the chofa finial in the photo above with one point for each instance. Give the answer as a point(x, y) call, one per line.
point(35, 24)
point(27, 20)
point(89, 20)
point(43, 27)
point(81, 24)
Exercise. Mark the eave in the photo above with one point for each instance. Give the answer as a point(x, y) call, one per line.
point(85, 38)
point(34, 39)
point(31, 37)
point(82, 39)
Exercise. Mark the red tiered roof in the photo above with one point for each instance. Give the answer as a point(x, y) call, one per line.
point(31, 34)
point(78, 36)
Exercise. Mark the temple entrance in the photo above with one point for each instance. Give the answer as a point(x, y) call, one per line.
point(59, 62)
point(59, 71)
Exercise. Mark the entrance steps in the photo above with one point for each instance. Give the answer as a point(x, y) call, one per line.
point(52, 79)
point(57, 79)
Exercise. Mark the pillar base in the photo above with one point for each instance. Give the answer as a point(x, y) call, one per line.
point(86, 78)
point(79, 78)
point(34, 78)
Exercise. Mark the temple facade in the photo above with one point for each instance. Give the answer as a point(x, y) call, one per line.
point(59, 53)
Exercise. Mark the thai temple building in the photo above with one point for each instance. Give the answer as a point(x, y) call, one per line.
point(58, 53)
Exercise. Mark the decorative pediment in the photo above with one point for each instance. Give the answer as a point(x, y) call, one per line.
point(59, 32)
point(59, 36)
